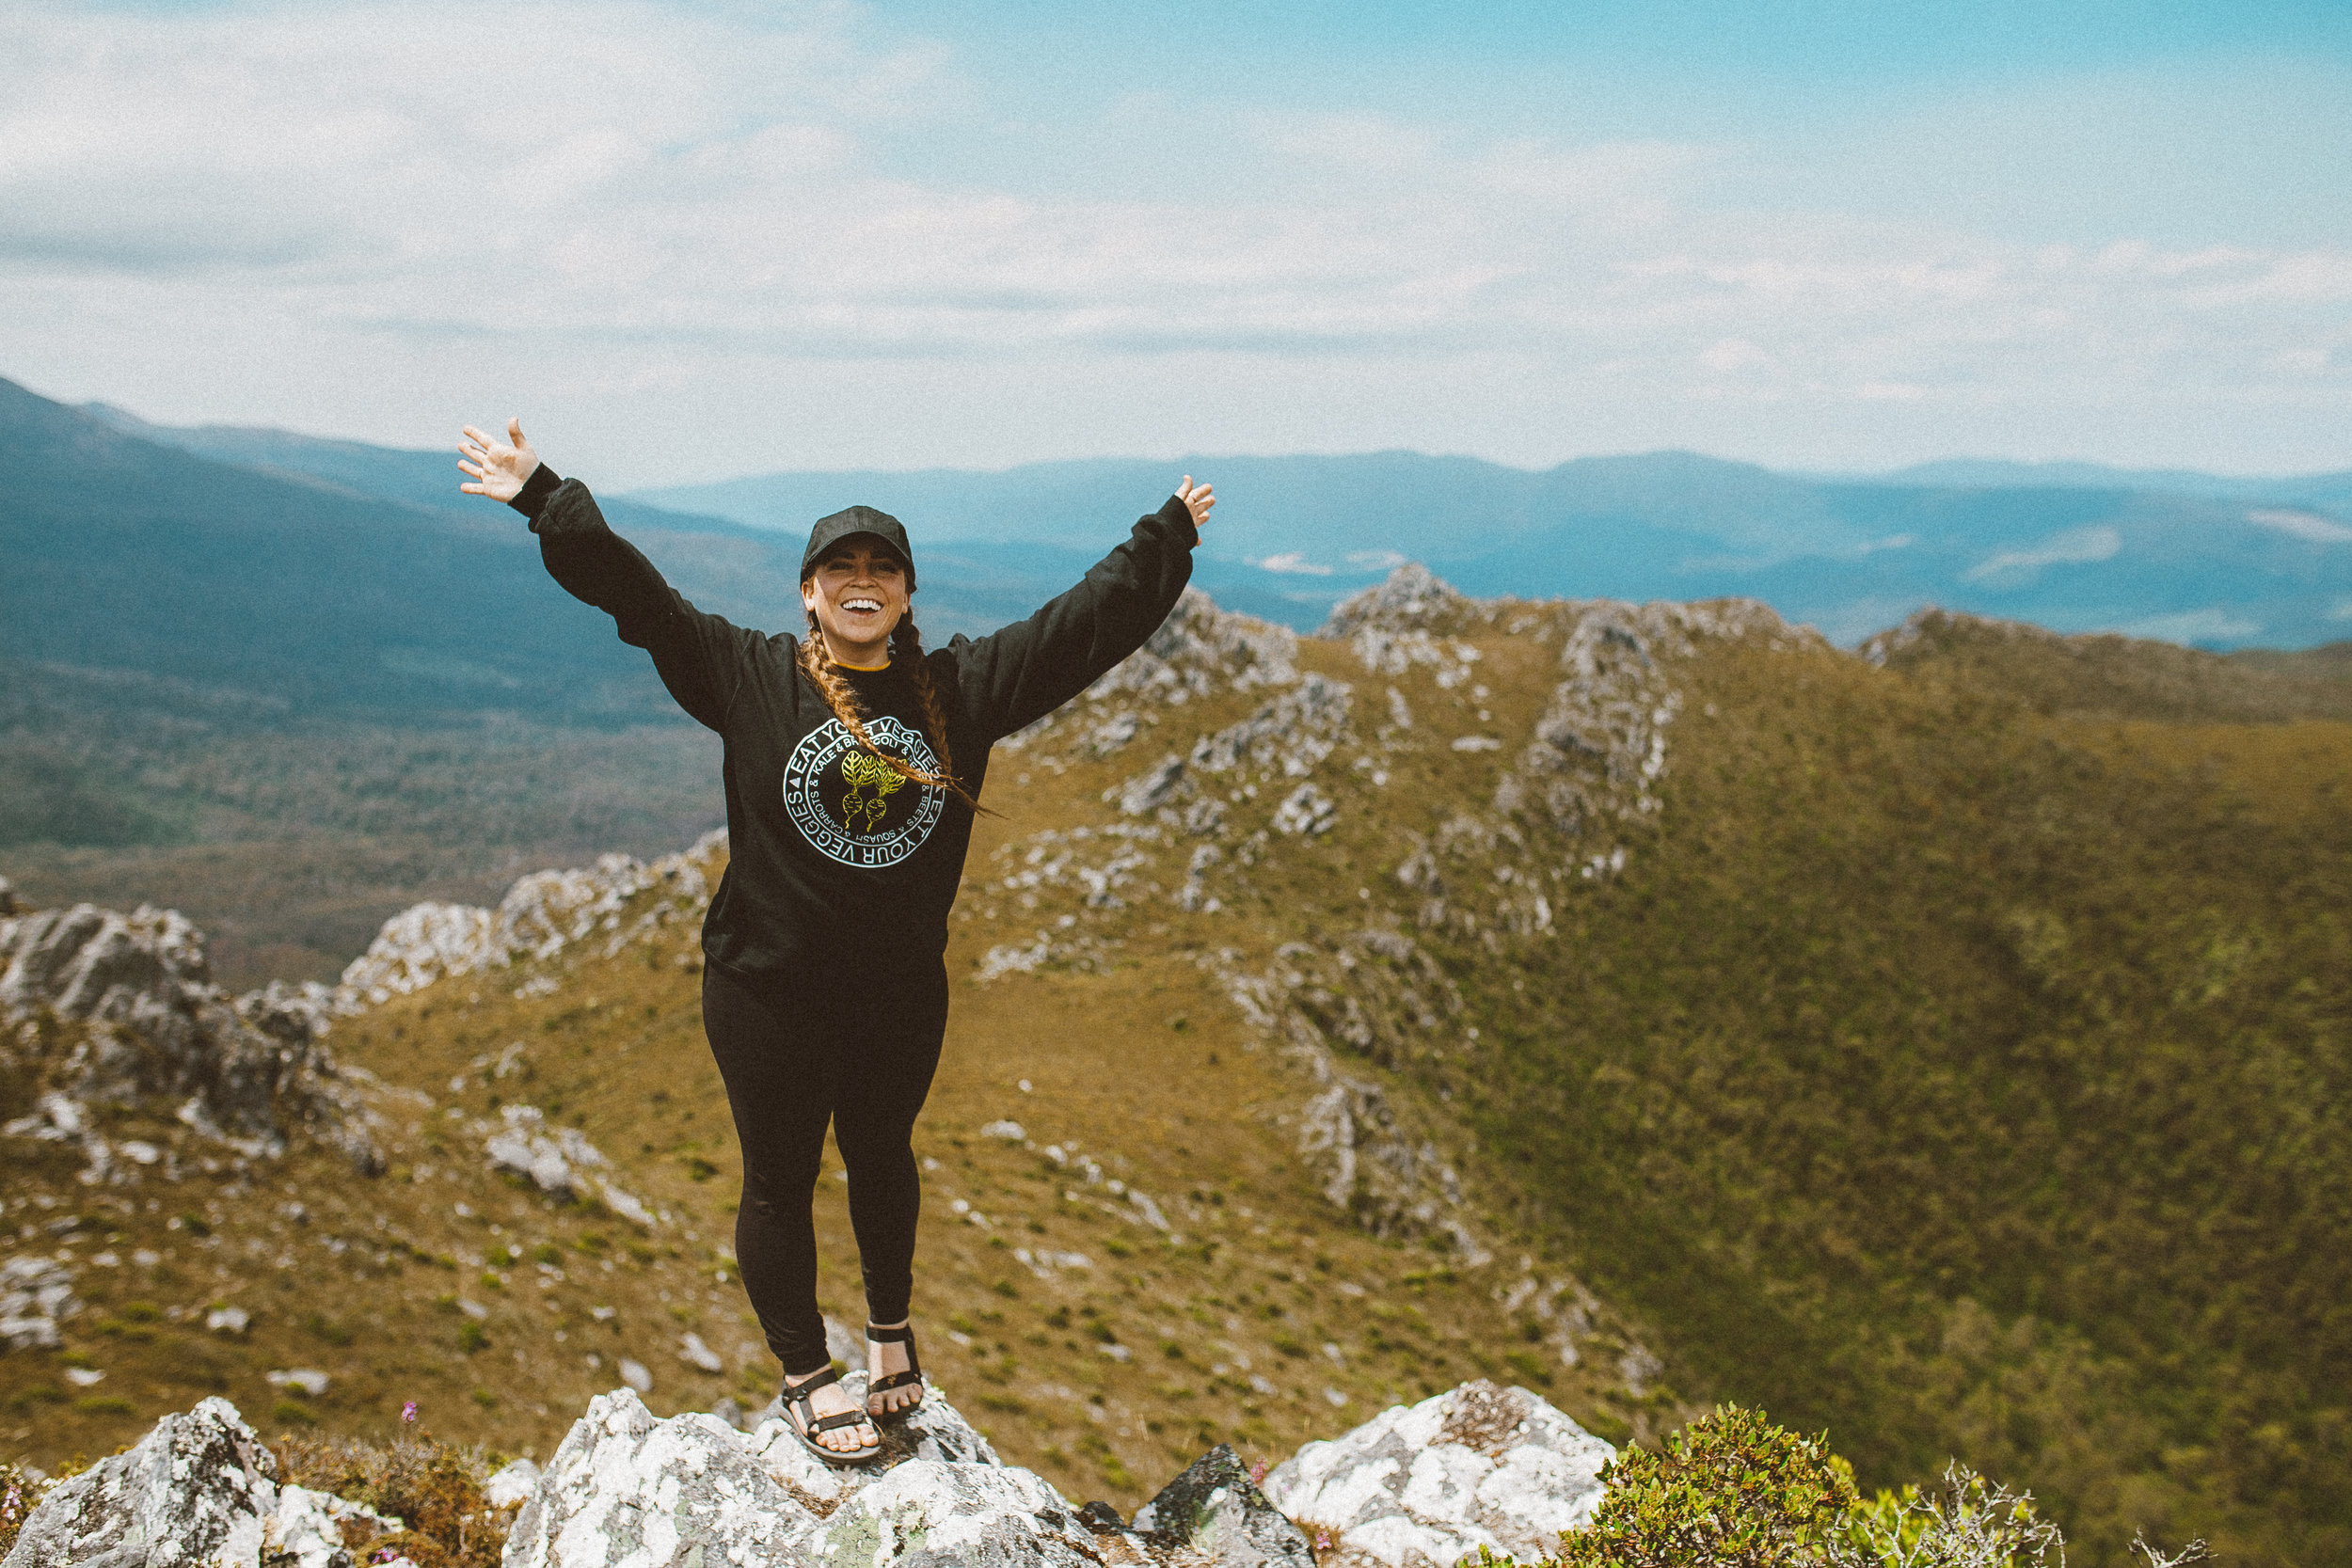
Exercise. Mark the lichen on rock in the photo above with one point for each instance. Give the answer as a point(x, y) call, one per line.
point(1425, 1485)
point(199, 1491)
point(121, 1010)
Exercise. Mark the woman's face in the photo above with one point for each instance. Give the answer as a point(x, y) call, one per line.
point(858, 593)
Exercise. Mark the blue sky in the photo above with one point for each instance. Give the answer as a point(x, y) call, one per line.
point(688, 242)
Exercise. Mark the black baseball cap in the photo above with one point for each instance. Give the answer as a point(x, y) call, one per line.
point(830, 531)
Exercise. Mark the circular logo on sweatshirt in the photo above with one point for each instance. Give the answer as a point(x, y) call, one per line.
point(853, 806)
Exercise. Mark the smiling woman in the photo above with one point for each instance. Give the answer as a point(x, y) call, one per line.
point(854, 765)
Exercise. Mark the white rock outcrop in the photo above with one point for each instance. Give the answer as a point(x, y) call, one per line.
point(627, 1490)
point(36, 1295)
point(156, 1030)
point(1200, 648)
point(1425, 1485)
point(541, 915)
point(560, 1161)
point(1418, 1487)
point(199, 1491)
point(1285, 738)
point(1412, 598)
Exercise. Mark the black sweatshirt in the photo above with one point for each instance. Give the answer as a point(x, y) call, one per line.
point(833, 858)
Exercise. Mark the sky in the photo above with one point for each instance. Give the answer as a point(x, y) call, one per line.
point(689, 242)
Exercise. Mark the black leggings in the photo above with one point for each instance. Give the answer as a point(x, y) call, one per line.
point(857, 1050)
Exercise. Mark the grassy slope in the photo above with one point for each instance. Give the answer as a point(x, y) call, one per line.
point(1973, 1081)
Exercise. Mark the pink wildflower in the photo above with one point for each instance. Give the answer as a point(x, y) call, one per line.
point(1257, 1474)
point(408, 1411)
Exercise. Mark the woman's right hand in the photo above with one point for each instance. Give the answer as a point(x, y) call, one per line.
point(501, 466)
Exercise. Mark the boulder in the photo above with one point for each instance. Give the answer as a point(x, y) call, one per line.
point(629, 1491)
point(35, 1293)
point(1306, 810)
point(1288, 736)
point(558, 1159)
point(1412, 598)
point(626, 1489)
point(1199, 649)
point(155, 1029)
point(199, 1491)
point(514, 1485)
point(1424, 1485)
point(1217, 1511)
point(541, 915)
point(928, 1513)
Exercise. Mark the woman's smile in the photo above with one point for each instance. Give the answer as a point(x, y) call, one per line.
point(857, 593)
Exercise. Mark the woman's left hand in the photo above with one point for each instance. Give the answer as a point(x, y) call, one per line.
point(1199, 500)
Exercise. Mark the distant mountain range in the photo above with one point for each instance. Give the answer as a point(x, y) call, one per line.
point(339, 574)
point(2201, 558)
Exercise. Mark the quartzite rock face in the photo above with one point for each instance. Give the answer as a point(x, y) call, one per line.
point(1422, 1486)
point(157, 1029)
point(1413, 1487)
point(927, 1513)
point(198, 1491)
point(541, 915)
point(628, 1491)
point(1215, 1509)
point(34, 1294)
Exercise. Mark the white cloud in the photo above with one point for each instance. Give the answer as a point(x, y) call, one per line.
point(2080, 546)
point(2194, 626)
point(2301, 525)
point(1293, 561)
point(693, 236)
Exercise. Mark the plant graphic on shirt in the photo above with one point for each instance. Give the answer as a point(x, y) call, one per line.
point(861, 771)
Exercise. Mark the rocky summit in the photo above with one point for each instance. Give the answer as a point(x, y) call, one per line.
point(1414, 1488)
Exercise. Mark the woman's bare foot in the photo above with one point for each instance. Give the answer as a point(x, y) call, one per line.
point(883, 1359)
point(833, 1399)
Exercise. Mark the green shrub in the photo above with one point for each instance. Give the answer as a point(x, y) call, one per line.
point(1732, 1490)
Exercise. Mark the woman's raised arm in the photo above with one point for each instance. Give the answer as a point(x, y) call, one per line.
point(1016, 674)
point(700, 657)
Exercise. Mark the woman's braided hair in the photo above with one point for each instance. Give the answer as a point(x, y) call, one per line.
point(906, 651)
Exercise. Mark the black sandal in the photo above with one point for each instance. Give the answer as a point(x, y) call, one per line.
point(806, 1424)
point(902, 1334)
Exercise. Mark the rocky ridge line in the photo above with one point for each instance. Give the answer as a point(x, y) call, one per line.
point(1416, 1487)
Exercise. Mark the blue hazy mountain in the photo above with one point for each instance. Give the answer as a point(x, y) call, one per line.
point(744, 572)
point(2324, 491)
point(427, 480)
point(2215, 561)
point(128, 554)
point(2203, 559)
